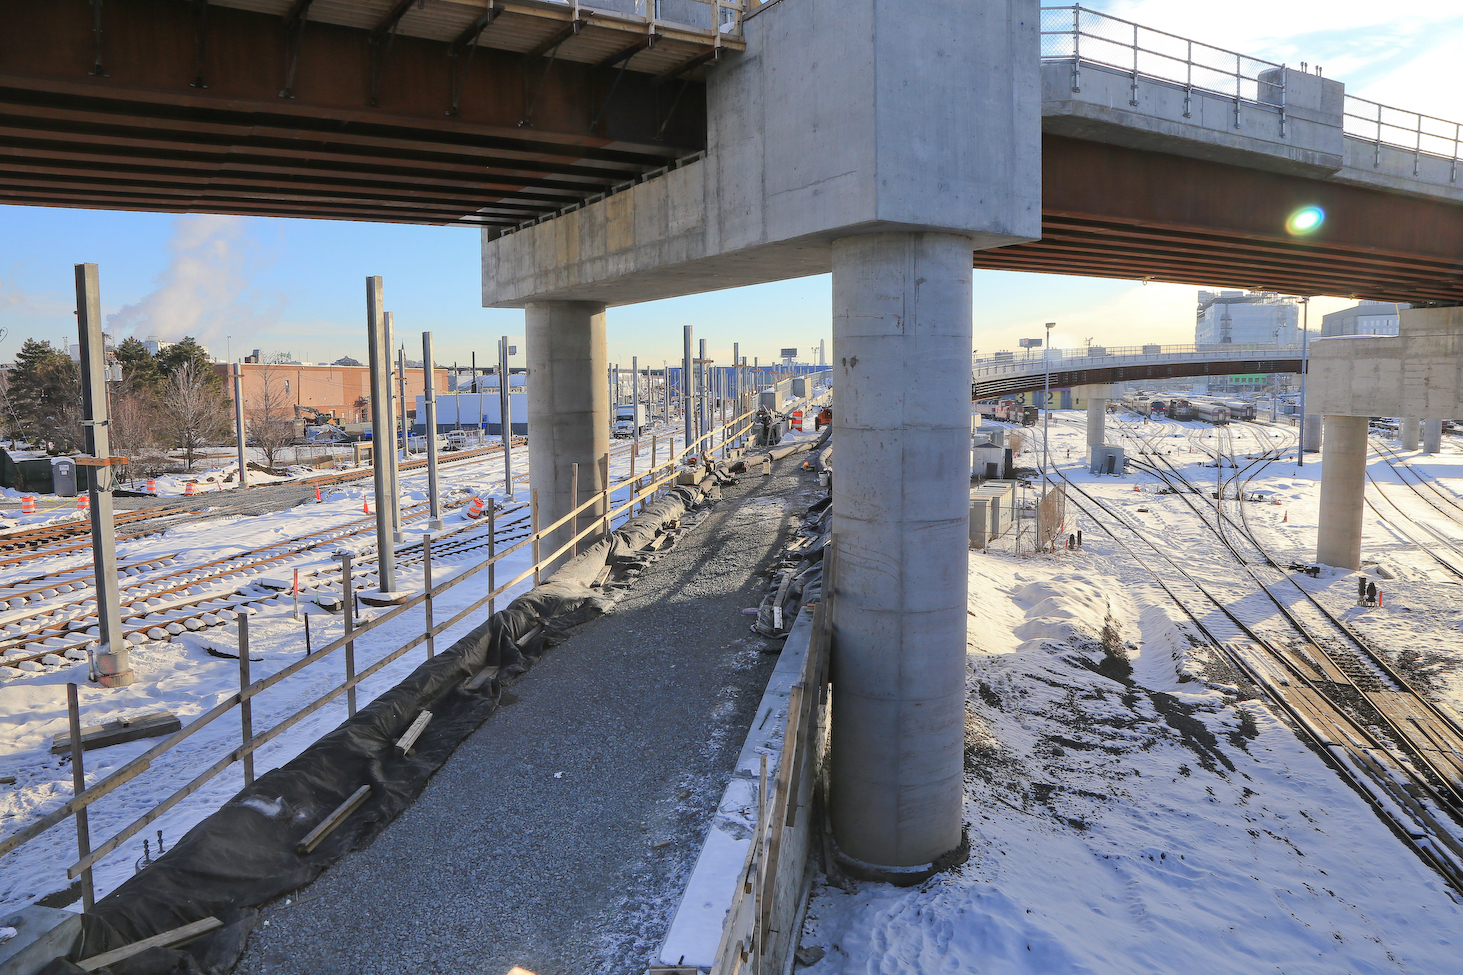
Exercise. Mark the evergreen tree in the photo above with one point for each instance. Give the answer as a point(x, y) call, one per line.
point(43, 397)
point(140, 372)
point(188, 351)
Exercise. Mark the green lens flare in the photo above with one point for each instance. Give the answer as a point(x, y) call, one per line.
point(1305, 220)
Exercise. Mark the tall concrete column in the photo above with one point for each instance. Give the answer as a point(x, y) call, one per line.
point(1311, 433)
point(1096, 421)
point(1343, 487)
point(1432, 436)
point(901, 353)
point(568, 410)
point(1409, 433)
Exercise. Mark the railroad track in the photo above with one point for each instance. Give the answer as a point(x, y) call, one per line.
point(1422, 811)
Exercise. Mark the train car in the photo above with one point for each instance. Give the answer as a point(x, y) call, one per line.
point(1180, 409)
point(1240, 409)
point(1215, 413)
point(1136, 402)
point(1158, 407)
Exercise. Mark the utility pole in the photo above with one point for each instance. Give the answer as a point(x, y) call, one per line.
point(505, 417)
point(392, 404)
point(703, 421)
point(112, 663)
point(238, 371)
point(1305, 335)
point(381, 426)
point(634, 400)
point(686, 388)
point(1046, 459)
point(737, 374)
point(429, 406)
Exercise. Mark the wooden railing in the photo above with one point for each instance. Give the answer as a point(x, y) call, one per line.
point(642, 487)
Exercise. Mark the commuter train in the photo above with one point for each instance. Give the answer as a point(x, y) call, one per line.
point(1240, 409)
point(1136, 402)
point(1210, 410)
point(1179, 409)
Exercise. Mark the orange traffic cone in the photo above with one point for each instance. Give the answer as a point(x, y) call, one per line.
point(1287, 515)
point(190, 488)
point(317, 492)
point(28, 504)
point(366, 505)
point(152, 485)
point(83, 502)
point(1137, 489)
point(475, 509)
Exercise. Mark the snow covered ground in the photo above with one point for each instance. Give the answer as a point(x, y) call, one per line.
point(1130, 809)
point(179, 674)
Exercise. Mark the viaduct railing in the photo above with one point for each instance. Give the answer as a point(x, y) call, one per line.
point(1106, 357)
point(640, 488)
point(1079, 35)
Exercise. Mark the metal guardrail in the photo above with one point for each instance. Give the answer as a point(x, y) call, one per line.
point(1010, 363)
point(1077, 34)
point(1422, 135)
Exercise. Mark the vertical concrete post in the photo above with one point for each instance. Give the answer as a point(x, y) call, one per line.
point(429, 407)
point(568, 409)
point(703, 401)
point(635, 398)
point(686, 387)
point(505, 415)
point(382, 434)
point(1096, 421)
point(1311, 435)
point(901, 348)
point(1432, 436)
point(1343, 487)
point(393, 473)
point(1410, 429)
point(239, 423)
point(737, 376)
point(112, 662)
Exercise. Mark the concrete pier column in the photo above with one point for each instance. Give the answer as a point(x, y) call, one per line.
point(1311, 435)
point(1432, 436)
point(568, 410)
point(1409, 433)
point(1343, 487)
point(1096, 422)
point(901, 352)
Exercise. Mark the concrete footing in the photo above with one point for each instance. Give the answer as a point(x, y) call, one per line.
point(1432, 436)
point(568, 410)
point(901, 333)
point(1343, 492)
point(1410, 429)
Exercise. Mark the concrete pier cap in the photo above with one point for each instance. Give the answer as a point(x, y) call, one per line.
point(883, 142)
point(1415, 373)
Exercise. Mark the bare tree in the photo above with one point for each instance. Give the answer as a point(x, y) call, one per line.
point(133, 421)
point(271, 415)
point(193, 411)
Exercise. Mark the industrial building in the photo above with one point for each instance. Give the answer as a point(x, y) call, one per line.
point(1366, 318)
point(1247, 317)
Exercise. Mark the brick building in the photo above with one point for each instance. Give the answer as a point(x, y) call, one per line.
point(342, 390)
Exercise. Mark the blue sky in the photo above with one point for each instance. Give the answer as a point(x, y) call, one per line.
point(298, 285)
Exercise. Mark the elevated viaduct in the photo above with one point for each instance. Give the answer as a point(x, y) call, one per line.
point(612, 157)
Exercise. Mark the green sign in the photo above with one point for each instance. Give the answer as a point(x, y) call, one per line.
point(1248, 380)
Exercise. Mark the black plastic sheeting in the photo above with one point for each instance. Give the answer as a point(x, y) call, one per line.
point(806, 567)
point(243, 856)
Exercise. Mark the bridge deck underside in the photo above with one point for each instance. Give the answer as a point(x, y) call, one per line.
point(1067, 378)
point(534, 130)
point(1110, 211)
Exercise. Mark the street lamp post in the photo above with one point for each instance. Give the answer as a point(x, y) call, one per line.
point(1305, 335)
point(1046, 457)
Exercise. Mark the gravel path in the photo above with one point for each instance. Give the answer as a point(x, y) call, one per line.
point(560, 835)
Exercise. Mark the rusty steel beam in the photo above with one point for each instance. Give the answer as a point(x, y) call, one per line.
point(326, 148)
point(1111, 211)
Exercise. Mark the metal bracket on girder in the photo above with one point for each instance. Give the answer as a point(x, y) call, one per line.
point(551, 48)
point(294, 26)
point(469, 39)
point(96, 39)
point(678, 71)
point(381, 37)
point(622, 58)
point(200, 26)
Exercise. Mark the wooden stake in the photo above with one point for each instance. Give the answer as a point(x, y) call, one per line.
point(327, 826)
point(167, 939)
point(246, 706)
point(533, 519)
point(492, 545)
point(605, 466)
point(427, 581)
point(348, 591)
point(406, 742)
point(574, 503)
point(78, 786)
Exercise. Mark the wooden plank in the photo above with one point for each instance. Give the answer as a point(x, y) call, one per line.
point(480, 678)
point(168, 939)
point(405, 743)
point(1325, 664)
point(342, 812)
point(778, 812)
point(154, 724)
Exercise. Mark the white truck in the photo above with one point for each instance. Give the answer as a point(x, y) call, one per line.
point(630, 420)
